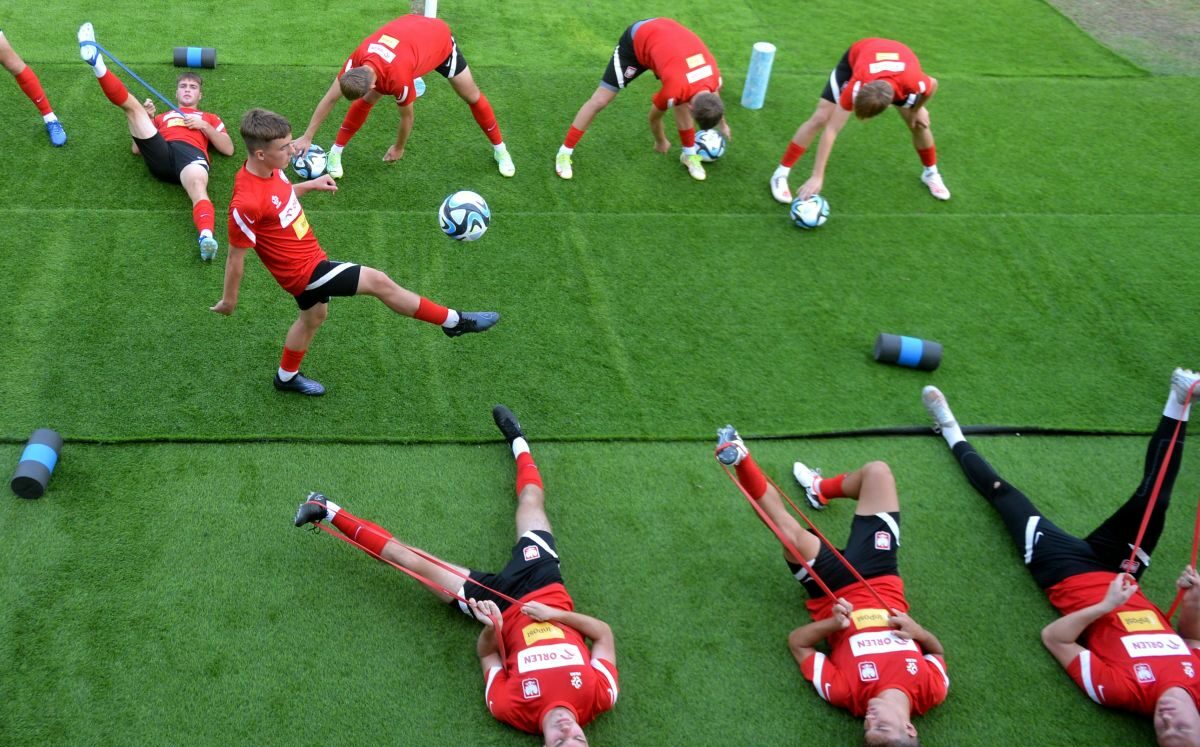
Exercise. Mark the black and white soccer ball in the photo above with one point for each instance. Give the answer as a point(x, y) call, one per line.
point(464, 216)
point(311, 163)
point(710, 145)
point(810, 213)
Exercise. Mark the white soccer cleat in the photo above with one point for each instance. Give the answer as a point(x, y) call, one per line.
point(731, 450)
point(1183, 379)
point(87, 44)
point(694, 166)
point(562, 165)
point(937, 187)
point(935, 403)
point(505, 162)
point(780, 190)
point(808, 479)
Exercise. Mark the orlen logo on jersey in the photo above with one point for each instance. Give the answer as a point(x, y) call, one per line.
point(881, 642)
point(549, 657)
point(290, 211)
point(530, 689)
point(1154, 644)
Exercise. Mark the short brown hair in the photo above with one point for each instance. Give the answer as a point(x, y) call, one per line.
point(190, 76)
point(259, 127)
point(873, 98)
point(355, 82)
point(707, 109)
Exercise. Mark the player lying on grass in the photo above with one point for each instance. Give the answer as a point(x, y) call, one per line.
point(265, 215)
point(1115, 643)
point(873, 75)
point(32, 88)
point(538, 673)
point(690, 85)
point(386, 63)
point(881, 664)
point(174, 144)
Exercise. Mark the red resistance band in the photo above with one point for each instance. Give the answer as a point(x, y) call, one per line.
point(1137, 543)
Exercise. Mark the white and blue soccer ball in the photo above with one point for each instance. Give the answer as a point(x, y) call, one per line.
point(710, 145)
point(464, 216)
point(810, 213)
point(311, 163)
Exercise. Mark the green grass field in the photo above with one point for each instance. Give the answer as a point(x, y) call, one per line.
point(159, 594)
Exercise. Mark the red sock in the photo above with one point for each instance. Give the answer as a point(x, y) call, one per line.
point(370, 537)
point(831, 487)
point(29, 83)
point(928, 155)
point(791, 155)
point(527, 472)
point(291, 359)
point(353, 121)
point(486, 118)
point(573, 136)
point(752, 478)
point(687, 138)
point(113, 88)
point(428, 311)
point(202, 215)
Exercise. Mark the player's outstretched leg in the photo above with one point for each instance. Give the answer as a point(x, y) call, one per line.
point(31, 86)
point(918, 124)
point(601, 98)
point(376, 283)
point(141, 126)
point(531, 494)
point(288, 377)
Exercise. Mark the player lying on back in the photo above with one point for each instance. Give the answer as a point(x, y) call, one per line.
point(31, 86)
point(265, 215)
point(387, 63)
point(873, 75)
point(690, 86)
point(174, 144)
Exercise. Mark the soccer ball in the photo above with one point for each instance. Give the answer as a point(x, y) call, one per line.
point(311, 163)
point(710, 144)
point(464, 216)
point(810, 213)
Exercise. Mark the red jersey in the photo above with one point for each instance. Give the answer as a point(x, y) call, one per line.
point(265, 215)
point(1133, 655)
point(867, 657)
point(884, 59)
point(678, 58)
point(170, 125)
point(404, 49)
point(547, 665)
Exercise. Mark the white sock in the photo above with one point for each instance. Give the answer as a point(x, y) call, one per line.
point(565, 149)
point(331, 509)
point(690, 151)
point(206, 234)
point(49, 118)
point(335, 149)
point(99, 68)
point(953, 434)
point(782, 171)
point(286, 375)
point(519, 446)
point(499, 148)
point(451, 319)
point(1176, 411)
point(931, 170)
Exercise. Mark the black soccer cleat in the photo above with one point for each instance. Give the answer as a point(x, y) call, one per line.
point(473, 321)
point(311, 511)
point(507, 423)
point(300, 383)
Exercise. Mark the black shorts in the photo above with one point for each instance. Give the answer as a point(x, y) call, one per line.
point(534, 565)
point(838, 79)
point(454, 64)
point(872, 548)
point(624, 65)
point(329, 279)
point(167, 160)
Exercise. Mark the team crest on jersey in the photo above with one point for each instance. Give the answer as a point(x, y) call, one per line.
point(530, 688)
point(1188, 669)
point(1143, 672)
point(867, 671)
point(576, 680)
point(910, 666)
point(630, 72)
point(531, 553)
point(1130, 566)
point(883, 541)
point(276, 201)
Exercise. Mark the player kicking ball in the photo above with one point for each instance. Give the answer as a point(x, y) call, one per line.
point(690, 85)
point(539, 675)
point(387, 63)
point(31, 86)
point(174, 145)
point(873, 75)
point(265, 215)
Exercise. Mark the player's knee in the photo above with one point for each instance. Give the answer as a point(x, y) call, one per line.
point(878, 470)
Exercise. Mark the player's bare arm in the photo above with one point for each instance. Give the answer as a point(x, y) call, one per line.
point(324, 107)
point(803, 640)
point(404, 129)
point(220, 140)
point(837, 121)
point(235, 267)
point(487, 647)
point(661, 144)
point(910, 629)
point(1189, 607)
point(603, 641)
point(1061, 636)
point(323, 183)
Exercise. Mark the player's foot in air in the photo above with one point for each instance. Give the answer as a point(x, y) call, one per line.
point(562, 165)
point(937, 187)
point(208, 248)
point(507, 423)
point(58, 136)
point(694, 166)
point(809, 479)
point(780, 190)
point(504, 161)
point(333, 164)
point(731, 450)
point(311, 511)
point(301, 384)
point(472, 321)
point(1183, 379)
point(939, 409)
point(87, 44)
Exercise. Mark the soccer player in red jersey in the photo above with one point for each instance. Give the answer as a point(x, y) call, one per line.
point(873, 75)
point(265, 215)
point(1116, 645)
point(882, 665)
point(539, 675)
point(174, 145)
point(32, 88)
point(387, 63)
point(690, 86)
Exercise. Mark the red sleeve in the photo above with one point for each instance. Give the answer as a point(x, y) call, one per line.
point(408, 91)
point(937, 682)
point(610, 687)
point(827, 680)
point(495, 694)
point(846, 100)
point(215, 121)
point(241, 223)
point(1100, 681)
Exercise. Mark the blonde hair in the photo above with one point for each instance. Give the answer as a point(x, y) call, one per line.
point(355, 82)
point(873, 98)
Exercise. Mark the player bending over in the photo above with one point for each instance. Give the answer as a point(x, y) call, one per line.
point(32, 87)
point(873, 75)
point(386, 64)
point(546, 682)
point(265, 215)
point(690, 85)
point(881, 664)
point(1115, 643)
point(174, 144)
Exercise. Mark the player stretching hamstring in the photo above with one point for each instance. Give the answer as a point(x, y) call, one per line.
point(174, 145)
point(265, 215)
point(32, 87)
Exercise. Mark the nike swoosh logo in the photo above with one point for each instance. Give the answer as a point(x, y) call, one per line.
point(1101, 691)
point(1037, 537)
point(827, 691)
